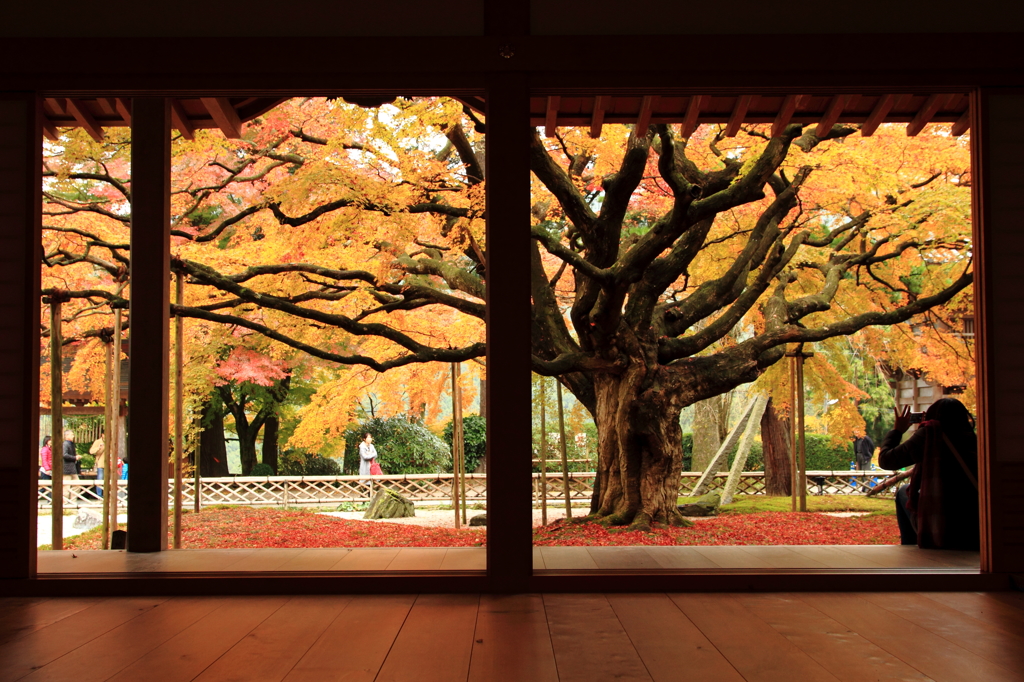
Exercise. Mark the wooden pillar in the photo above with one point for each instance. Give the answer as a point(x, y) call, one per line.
point(997, 142)
point(543, 455)
point(509, 517)
point(179, 410)
point(149, 318)
point(565, 455)
point(21, 163)
point(456, 423)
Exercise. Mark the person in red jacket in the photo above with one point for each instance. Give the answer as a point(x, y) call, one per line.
point(46, 460)
point(939, 508)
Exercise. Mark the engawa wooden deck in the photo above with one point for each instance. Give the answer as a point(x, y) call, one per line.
point(808, 637)
point(545, 559)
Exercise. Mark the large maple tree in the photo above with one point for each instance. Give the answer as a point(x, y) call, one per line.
point(669, 270)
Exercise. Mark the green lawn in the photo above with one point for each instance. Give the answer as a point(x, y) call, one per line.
point(748, 504)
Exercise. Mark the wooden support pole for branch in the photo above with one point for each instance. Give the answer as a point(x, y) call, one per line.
point(461, 440)
point(792, 433)
point(114, 453)
point(56, 428)
point(179, 373)
point(455, 448)
point(802, 473)
point(543, 458)
point(108, 395)
point(565, 456)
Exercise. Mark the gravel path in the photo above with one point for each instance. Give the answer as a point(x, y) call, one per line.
point(445, 518)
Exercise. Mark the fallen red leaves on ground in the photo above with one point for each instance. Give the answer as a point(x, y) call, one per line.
point(246, 527)
point(762, 528)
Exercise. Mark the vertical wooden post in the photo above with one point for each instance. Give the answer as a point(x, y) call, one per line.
point(108, 394)
point(56, 427)
point(543, 457)
point(462, 442)
point(792, 433)
point(509, 478)
point(150, 324)
point(114, 453)
point(565, 456)
point(455, 447)
point(802, 472)
point(179, 415)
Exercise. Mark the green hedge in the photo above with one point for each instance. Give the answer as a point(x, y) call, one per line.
point(823, 454)
point(403, 447)
point(474, 429)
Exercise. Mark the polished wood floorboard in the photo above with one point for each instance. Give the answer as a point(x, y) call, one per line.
point(827, 637)
point(555, 559)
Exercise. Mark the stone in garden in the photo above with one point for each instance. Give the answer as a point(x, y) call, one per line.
point(387, 504)
point(86, 519)
point(478, 520)
point(705, 505)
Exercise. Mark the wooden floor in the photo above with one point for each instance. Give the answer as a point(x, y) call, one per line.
point(809, 637)
point(546, 559)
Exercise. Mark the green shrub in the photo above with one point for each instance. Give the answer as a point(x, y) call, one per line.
point(474, 429)
point(403, 447)
point(315, 465)
point(262, 469)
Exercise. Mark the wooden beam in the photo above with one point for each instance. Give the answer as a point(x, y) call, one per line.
point(551, 115)
point(179, 120)
point(877, 115)
point(644, 118)
point(785, 115)
point(832, 114)
point(106, 105)
point(76, 108)
point(925, 114)
point(962, 124)
point(50, 129)
point(601, 103)
point(224, 116)
point(696, 103)
point(123, 109)
point(739, 112)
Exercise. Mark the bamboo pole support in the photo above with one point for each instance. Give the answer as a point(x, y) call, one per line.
point(114, 454)
point(56, 428)
point(543, 458)
point(179, 373)
point(565, 455)
point(455, 450)
point(107, 369)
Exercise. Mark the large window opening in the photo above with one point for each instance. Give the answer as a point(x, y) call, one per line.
point(717, 280)
point(328, 282)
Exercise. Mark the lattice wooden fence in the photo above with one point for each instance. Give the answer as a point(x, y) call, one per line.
point(326, 491)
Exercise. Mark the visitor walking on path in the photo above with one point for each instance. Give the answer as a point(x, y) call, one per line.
point(46, 460)
point(71, 459)
point(939, 509)
point(98, 450)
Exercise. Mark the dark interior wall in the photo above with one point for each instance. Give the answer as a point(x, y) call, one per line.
point(653, 17)
point(317, 18)
point(254, 18)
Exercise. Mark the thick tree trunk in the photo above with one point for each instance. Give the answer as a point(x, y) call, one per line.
point(776, 448)
point(246, 444)
point(640, 453)
point(270, 448)
point(213, 455)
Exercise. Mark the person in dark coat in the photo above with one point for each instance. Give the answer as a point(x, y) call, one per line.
point(70, 457)
point(863, 451)
point(939, 508)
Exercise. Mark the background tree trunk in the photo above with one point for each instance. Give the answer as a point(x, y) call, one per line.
point(270, 449)
point(213, 454)
point(710, 427)
point(776, 448)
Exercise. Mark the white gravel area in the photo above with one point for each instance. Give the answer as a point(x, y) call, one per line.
point(445, 518)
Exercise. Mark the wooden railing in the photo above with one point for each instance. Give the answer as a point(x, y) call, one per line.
point(327, 491)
